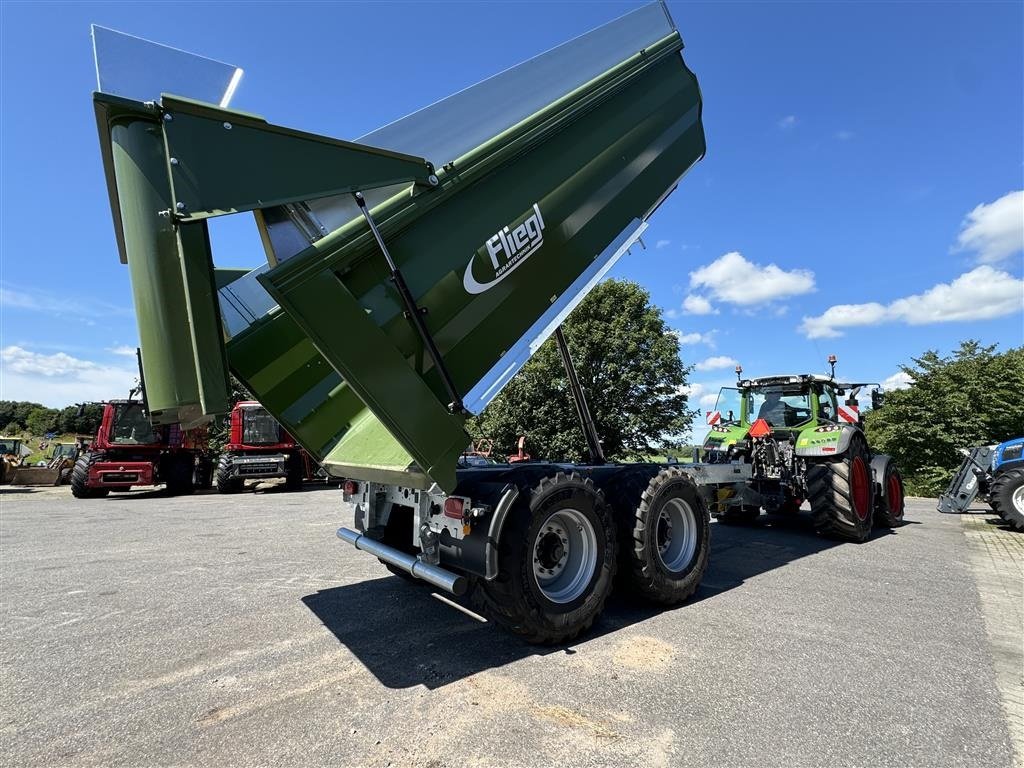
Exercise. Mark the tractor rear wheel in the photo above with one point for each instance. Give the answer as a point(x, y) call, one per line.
point(1007, 495)
point(671, 539)
point(226, 481)
point(80, 478)
point(740, 515)
point(556, 562)
point(889, 500)
point(840, 493)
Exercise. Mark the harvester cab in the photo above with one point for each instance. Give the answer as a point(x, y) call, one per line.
point(130, 451)
point(259, 448)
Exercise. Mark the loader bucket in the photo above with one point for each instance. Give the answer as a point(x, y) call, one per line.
point(525, 189)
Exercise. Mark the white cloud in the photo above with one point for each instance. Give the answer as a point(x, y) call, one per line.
point(122, 349)
point(716, 363)
point(844, 135)
point(59, 379)
point(662, 244)
point(787, 122)
point(900, 380)
point(32, 300)
point(707, 402)
point(981, 294)
point(994, 231)
point(690, 339)
point(698, 305)
point(733, 279)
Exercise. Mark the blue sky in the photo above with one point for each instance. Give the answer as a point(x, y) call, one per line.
point(861, 194)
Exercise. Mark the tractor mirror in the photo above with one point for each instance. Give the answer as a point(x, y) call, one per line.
point(877, 399)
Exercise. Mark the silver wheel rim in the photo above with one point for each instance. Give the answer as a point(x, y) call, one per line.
point(1018, 499)
point(676, 535)
point(565, 556)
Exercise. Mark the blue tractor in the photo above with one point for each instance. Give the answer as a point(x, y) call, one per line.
point(994, 473)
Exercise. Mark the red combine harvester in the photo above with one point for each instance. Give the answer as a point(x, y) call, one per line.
point(128, 452)
point(259, 448)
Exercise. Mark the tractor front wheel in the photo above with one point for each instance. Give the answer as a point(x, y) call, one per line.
point(1007, 497)
point(840, 493)
point(80, 478)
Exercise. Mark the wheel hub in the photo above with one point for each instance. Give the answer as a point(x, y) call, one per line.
point(1018, 499)
point(677, 535)
point(551, 549)
point(565, 556)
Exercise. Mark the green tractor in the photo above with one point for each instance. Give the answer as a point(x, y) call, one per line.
point(795, 438)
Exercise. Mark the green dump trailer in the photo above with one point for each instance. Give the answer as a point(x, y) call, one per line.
point(405, 278)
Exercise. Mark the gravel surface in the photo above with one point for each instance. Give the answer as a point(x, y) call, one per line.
point(208, 630)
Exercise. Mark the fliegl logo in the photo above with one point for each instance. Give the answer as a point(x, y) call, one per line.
point(509, 247)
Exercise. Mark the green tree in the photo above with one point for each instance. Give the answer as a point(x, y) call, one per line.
point(629, 365)
point(41, 420)
point(220, 427)
point(971, 397)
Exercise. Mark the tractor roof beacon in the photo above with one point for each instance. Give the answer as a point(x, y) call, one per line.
point(801, 437)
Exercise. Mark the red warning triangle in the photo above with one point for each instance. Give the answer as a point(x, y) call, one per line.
point(760, 428)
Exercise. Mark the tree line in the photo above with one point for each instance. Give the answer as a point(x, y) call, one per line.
point(975, 396)
point(23, 416)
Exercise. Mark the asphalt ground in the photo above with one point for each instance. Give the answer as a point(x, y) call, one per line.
point(236, 631)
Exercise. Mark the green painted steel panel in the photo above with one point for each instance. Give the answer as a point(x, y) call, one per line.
point(583, 172)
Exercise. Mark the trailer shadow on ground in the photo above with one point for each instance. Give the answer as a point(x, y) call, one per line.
point(406, 634)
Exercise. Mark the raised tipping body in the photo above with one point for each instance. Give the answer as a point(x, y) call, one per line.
point(371, 338)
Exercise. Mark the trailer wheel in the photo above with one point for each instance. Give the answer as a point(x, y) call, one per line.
point(556, 562)
point(80, 478)
point(671, 539)
point(889, 504)
point(1007, 497)
point(841, 495)
point(740, 515)
point(226, 481)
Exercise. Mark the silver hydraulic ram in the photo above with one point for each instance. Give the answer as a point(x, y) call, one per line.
point(432, 574)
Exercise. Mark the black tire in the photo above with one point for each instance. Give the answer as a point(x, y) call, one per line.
point(226, 482)
point(296, 473)
point(889, 500)
point(1008, 488)
point(80, 478)
point(179, 471)
point(841, 508)
point(740, 515)
point(667, 567)
point(203, 476)
point(515, 599)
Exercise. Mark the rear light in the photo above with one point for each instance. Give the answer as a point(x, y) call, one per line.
point(351, 488)
point(454, 507)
